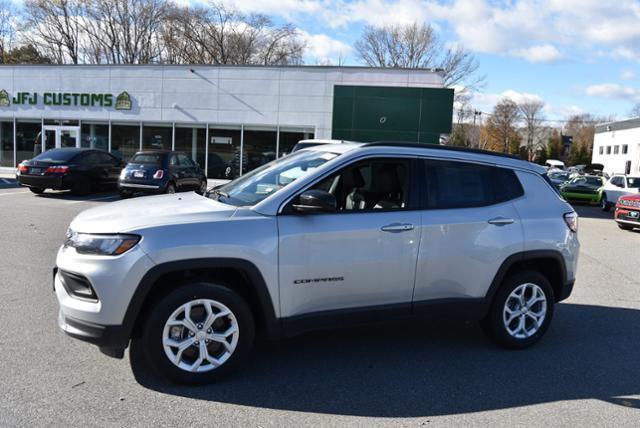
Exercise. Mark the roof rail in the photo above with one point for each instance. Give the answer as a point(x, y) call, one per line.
point(439, 147)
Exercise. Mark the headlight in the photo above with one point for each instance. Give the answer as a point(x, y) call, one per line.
point(106, 245)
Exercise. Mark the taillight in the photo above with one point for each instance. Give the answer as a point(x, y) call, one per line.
point(57, 170)
point(572, 221)
point(23, 168)
point(159, 174)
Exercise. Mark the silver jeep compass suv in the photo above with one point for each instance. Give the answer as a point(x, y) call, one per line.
point(326, 236)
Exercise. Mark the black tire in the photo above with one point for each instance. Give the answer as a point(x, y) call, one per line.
point(171, 188)
point(124, 194)
point(81, 187)
point(37, 190)
point(605, 205)
point(149, 348)
point(625, 226)
point(493, 324)
point(203, 188)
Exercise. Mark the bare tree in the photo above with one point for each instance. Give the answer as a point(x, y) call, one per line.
point(124, 31)
point(501, 125)
point(8, 16)
point(54, 27)
point(417, 46)
point(532, 116)
point(216, 34)
point(635, 111)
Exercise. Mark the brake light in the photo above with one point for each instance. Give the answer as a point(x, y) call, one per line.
point(23, 168)
point(57, 170)
point(159, 174)
point(572, 221)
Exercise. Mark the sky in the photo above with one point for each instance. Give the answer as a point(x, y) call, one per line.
point(575, 55)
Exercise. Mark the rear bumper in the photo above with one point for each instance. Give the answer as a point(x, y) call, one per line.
point(565, 291)
point(46, 181)
point(140, 187)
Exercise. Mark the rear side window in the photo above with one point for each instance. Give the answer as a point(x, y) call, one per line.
point(147, 158)
point(466, 185)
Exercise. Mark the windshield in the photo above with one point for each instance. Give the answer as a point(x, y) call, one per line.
point(258, 184)
point(56, 155)
point(633, 182)
point(591, 181)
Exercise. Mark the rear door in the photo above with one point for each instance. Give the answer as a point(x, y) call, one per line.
point(176, 172)
point(469, 227)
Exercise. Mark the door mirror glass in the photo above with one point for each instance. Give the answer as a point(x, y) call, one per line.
point(315, 201)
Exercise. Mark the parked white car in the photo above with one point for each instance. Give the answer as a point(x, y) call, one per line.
point(618, 185)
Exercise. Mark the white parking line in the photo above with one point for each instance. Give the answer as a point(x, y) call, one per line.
point(6, 180)
point(14, 193)
point(93, 199)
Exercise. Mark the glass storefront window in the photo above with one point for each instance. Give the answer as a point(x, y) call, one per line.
point(224, 153)
point(125, 140)
point(29, 140)
point(191, 140)
point(259, 147)
point(156, 136)
point(6, 143)
point(95, 136)
point(289, 137)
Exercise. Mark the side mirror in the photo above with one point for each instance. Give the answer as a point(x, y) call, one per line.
point(315, 201)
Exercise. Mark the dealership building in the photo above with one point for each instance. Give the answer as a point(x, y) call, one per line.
point(616, 145)
point(230, 119)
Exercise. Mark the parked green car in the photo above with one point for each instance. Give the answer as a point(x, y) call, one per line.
point(584, 188)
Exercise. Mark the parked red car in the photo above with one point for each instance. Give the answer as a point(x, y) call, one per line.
point(628, 212)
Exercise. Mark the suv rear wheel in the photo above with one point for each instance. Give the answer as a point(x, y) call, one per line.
point(521, 311)
point(196, 334)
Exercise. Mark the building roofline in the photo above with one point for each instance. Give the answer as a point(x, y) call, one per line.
point(617, 125)
point(302, 67)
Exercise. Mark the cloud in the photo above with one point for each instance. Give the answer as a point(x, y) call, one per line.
point(614, 91)
point(541, 53)
point(323, 49)
point(628, 75)
point(537, 31)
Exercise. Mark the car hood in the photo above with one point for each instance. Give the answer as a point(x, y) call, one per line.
point(149, 211)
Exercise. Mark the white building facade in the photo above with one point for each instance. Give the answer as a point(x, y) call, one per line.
point(223, 116)
point(616, 145)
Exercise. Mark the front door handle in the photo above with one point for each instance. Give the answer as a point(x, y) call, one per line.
point(397, 227)
point(500, 221)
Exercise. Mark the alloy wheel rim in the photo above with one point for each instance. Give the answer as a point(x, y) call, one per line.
point(524, 311)
point(200, 335)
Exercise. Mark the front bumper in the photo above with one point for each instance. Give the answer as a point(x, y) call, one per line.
point(592, 198)
point(627, 215)
point(111, 339)
point(114, 279)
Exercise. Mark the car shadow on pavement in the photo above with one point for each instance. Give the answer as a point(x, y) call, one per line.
point(588, 211)
point(66, 195)
point(435, 368)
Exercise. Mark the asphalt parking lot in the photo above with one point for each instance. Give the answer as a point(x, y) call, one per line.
point(585, 372)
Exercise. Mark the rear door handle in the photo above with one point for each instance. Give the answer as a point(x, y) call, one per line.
point(397, 227)
point(501, 221)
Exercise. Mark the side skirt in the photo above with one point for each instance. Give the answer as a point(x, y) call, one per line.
point(449, 309)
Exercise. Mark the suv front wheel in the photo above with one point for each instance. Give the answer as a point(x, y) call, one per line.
point(196, 334)
point(521, 311)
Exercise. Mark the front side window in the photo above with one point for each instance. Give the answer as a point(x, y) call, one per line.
point(260, 183)
point(633, 182)
point(373, 184)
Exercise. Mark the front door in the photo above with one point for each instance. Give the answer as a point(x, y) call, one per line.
point(60, 136)
point(361, 256)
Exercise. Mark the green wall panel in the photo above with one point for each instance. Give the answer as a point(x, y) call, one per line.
point(367, 113)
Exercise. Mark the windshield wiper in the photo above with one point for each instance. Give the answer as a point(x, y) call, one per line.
point(219, 193)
